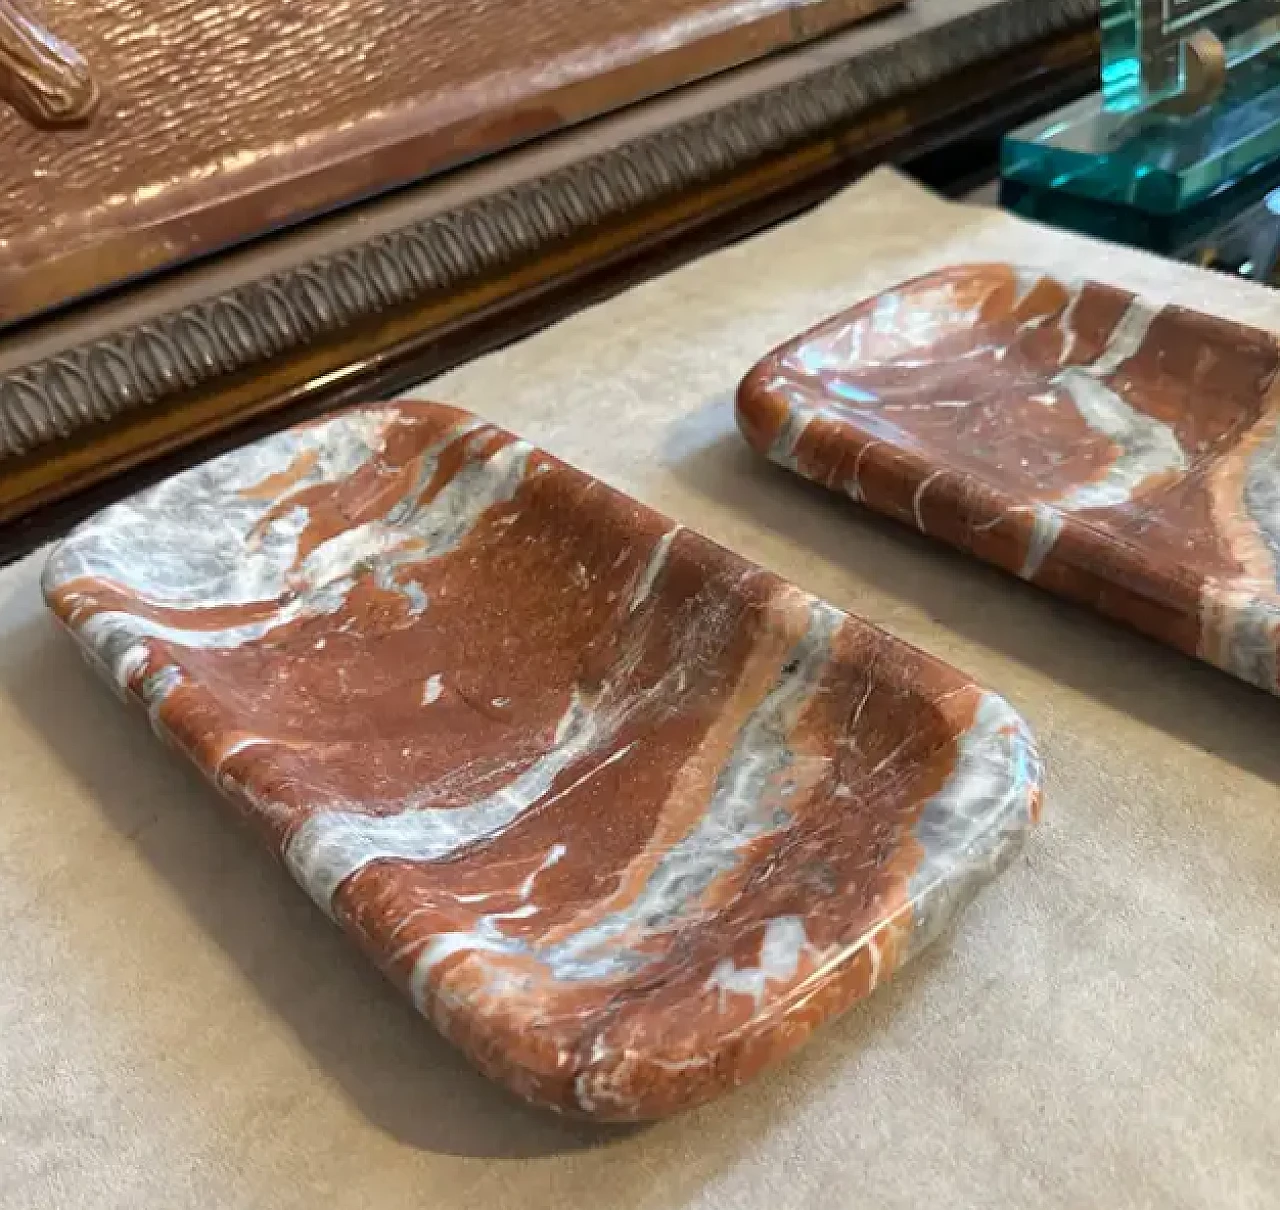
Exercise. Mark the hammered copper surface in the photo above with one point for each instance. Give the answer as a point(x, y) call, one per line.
point(316, 311)
point(1113, 451)
point(224, 118)
point(626, 816)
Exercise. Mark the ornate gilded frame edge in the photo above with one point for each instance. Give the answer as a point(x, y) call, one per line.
point(153, 363)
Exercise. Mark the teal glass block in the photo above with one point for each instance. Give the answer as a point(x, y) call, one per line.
point(1143, 56)
point(1148, 161)
point(1120, 22)
point(1236, 229)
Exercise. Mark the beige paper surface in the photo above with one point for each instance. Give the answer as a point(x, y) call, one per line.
point(180, 1028)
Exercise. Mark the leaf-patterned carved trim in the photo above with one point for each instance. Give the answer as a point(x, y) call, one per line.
point(44, 78)
point(155, 362)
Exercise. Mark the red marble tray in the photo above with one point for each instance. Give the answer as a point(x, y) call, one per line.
point(625, 815)
point(1120, 454)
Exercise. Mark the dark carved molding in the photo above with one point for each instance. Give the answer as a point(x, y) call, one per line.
point(156, 362)
point(46, 80)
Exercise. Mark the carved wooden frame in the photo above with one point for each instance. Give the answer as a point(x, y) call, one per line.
point(88, 406)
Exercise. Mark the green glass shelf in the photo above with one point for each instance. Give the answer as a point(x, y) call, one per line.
point(1133, 165)
point(1237, 229)
point(1151, 162)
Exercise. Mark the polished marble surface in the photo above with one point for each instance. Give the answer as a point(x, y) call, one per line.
point(183, 1028)
point(626, 816)
point(1119, 453)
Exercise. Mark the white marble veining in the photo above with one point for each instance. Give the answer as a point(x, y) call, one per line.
point(748, 802)
point(975, 824)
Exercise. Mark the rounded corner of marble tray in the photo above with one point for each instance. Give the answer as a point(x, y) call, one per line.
point(962, 834)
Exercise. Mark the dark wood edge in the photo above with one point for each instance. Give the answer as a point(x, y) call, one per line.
point(377, 366)
point(170, 358)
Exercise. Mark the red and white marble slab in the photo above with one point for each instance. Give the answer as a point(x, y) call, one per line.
point(1115, 452)
point(625, 815)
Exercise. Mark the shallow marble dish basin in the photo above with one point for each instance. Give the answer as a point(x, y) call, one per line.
point(626, 816)
point(1117, 453)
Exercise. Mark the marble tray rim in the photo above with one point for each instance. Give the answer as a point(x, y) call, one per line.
point(1074, 523)
point(924, 912)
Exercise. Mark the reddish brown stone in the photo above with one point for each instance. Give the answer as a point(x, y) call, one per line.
point(625, 815)
point(1117, 453)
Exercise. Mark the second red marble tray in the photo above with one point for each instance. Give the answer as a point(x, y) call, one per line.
point(626, 816)
point(1117, 453)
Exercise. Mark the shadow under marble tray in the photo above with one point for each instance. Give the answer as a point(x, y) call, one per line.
point(626, 816)
point(1117, 453)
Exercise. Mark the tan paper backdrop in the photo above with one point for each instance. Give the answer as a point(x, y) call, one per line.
point(180, 1028)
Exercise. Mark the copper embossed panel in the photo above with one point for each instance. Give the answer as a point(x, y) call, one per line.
point(221, 119)
point(626, 816)
point(1114, 452)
